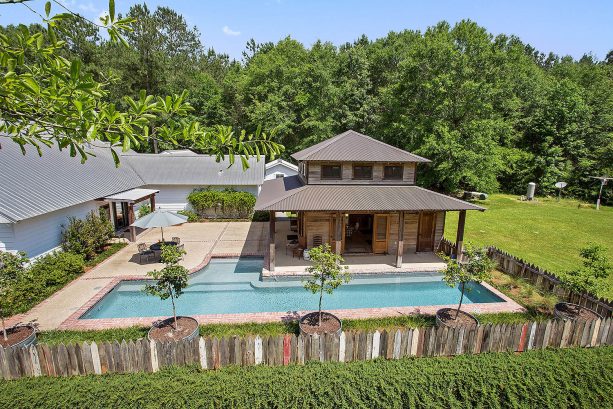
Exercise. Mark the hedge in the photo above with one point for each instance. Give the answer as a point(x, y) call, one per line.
point(44, 277)
point(226, 203)
point(544, 379)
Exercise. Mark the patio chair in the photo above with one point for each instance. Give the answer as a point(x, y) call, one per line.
point(176, 240)
point(317, 240)
point(144, 251)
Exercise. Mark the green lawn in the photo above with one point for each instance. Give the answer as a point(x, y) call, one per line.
point(546, 232)
point(567, 378)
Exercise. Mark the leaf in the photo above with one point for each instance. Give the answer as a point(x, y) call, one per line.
point(112, 9)
point(47, 8)
point(75, 67)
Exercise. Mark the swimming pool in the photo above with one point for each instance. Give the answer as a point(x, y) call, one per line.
point(230, 286)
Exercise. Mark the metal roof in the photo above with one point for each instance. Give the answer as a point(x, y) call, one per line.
point(289, 194)
point(31, 185)
point(131, 195)
point(189, 169)
point(282, 163)
point(354, 146)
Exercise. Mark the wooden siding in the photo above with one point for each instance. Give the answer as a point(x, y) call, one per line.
point(317, 223)
point(320, 223)
point(314, 174)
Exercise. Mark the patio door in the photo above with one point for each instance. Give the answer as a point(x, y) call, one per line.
point(380, 233)
point(425, 235)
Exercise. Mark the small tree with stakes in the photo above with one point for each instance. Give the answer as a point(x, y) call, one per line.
point(11, 268)
point(588, 279)
point(477, 268)
point(327, 273)
point(171, 280)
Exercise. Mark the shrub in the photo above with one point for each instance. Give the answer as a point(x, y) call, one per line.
point(192, 217)
point(144, 210)
point(12, 267)
point(260, 216)
point(45, 276)
point(226, 203)
point(86, 236)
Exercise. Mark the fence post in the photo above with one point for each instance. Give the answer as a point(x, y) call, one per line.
point(376, 339)
point(341, 347)
point(155, 365)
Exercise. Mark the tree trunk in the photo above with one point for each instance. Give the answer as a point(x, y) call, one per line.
point(461, 299)
point(174, 310)
point(321, 294)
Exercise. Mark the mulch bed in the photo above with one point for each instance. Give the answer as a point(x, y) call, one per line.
point(15, 335)
point(165, 331)
point(450, 318)
point(573, 312)
point(330, 324)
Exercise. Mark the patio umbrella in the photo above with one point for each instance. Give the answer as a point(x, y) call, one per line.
point(161, 219)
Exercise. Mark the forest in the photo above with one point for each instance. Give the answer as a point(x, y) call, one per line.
point(491, 112)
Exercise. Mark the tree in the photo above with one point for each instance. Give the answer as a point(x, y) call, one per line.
point(477, 268)
point(588, 279)
point(170, 280)
point(12, 266)
point(327, 273)
point(47, 99)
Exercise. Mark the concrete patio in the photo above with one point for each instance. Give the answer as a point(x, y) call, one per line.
point(202, 240)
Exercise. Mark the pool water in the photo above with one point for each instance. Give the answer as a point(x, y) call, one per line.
point(229, 286)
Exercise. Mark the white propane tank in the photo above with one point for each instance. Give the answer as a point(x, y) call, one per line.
point(530, 192)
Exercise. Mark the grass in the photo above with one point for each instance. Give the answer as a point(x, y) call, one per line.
point(108, 252)
point(273, 328)
point(545, 232)
point(535, 300)
point(564, 378)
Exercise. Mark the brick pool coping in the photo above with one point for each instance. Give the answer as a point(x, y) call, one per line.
point(74, 323)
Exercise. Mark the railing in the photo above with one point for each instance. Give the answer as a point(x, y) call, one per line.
point(212, 353)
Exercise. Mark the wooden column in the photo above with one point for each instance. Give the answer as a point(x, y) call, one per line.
point(152, 202)
point(271, 243)
point(459, 241)
point(130, 221)
point(400, 249)
point(338, 234)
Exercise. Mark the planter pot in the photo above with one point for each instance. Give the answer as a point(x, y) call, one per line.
point(162, 331)
point(444, 318)
point(569, 311)
point(30, 336)
point(306, 255)
point(331, 324)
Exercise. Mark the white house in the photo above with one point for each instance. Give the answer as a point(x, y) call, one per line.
point(39, 194)
point(279, 168)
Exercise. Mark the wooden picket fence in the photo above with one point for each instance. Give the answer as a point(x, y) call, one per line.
point(212, 353)
point(540, 278)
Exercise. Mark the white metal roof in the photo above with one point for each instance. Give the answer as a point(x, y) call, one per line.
point(131, 195)
point(282, 163)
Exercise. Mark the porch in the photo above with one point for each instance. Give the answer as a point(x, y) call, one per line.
point(288, 264)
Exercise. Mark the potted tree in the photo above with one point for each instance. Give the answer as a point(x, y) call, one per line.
point(170, 282)
point(476, 268)
point(327, 274)
point(587, 279)
point(12, 267)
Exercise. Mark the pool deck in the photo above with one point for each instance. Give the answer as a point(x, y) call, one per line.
point(204, 241)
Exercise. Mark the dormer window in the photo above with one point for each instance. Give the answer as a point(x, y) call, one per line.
point(331, 171)
point(362, 172)
point(393, 172)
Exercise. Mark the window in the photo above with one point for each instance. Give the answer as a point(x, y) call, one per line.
point(331, 171)
point(362, 172)
point(393, 172)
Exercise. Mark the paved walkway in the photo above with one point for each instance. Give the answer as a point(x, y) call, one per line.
point(202, 240)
